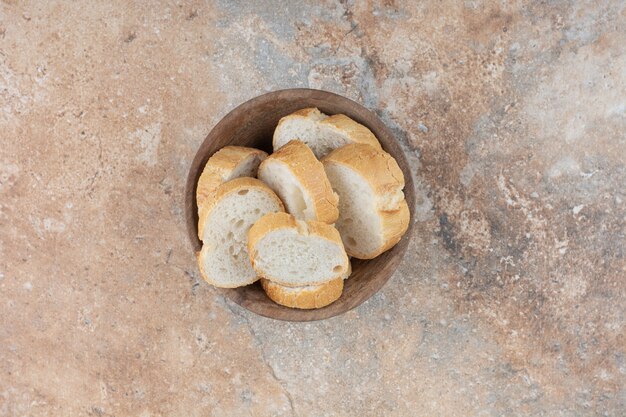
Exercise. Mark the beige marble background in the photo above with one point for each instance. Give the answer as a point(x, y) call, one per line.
point(510, 301)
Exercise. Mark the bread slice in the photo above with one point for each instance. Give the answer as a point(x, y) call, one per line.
point(373, 214)
point(295, 253)
point(236, 206)
point(228, 163)
point(320, 132)
point(308, 297)
point(299, 179)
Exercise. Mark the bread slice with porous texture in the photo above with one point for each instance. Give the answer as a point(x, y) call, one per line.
point(320, 132)
point(299, 179)
point(373, 214)
point(308, 297)
point(236, 206)
point(295, 253)
point(228, 163)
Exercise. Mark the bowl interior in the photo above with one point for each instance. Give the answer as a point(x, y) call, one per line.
point(252, 124)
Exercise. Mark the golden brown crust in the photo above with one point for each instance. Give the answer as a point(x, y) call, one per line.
point(301, 161)
point(355, 131)
point(276, 221)
point(309, 112)
point(219, 168)
point(309, 297)
point(230, 187)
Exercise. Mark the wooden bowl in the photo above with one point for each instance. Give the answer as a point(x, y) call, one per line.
point(252, 124)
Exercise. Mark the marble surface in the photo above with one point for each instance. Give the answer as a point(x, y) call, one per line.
point(511, 299)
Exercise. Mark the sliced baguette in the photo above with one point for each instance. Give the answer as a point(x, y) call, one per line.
point(295, 253)
point(236, 206)
point(228, 163)
point(373, 214)
point(299, 179)
point(320, 132)
point(308, 297)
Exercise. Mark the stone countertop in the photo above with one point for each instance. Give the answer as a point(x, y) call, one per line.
point(510, 300)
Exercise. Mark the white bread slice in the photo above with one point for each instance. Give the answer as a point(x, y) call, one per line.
point(295, 253)
point(236, 206)
point(373, 214)
point(228, 163)
point(299, 179)
point(308, 297)
point(320, 132)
